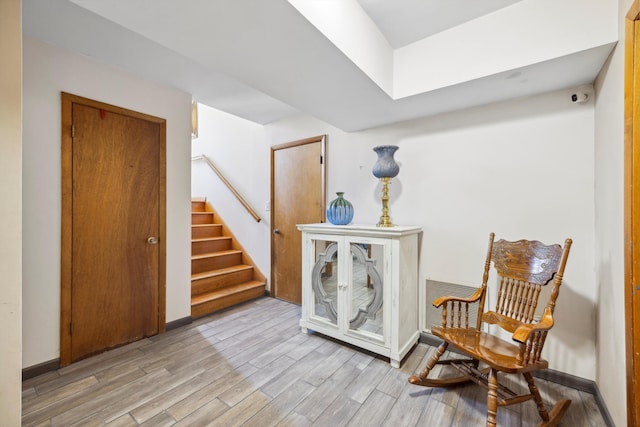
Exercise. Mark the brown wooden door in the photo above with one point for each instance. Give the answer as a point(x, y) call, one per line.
point(632, 208)
point(297, 197)
point(115, 288)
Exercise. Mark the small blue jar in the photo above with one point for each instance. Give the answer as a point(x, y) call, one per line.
point(340, 211)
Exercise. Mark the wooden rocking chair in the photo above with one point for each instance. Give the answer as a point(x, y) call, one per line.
point(523, 267)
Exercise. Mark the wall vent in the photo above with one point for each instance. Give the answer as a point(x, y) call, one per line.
point(437, 289)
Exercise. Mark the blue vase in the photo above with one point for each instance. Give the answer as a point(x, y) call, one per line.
point(385, 166)
point(340, 211)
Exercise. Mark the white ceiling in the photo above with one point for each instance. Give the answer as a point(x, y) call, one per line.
point(263, 60)
point(406, 21)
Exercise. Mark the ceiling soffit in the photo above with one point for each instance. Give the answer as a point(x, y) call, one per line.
point(266, 59)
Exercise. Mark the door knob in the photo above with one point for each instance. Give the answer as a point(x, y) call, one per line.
point(152, 240)
point(276, 231)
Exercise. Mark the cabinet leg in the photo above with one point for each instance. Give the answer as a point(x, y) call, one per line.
point(304, 330)
point(395, 363)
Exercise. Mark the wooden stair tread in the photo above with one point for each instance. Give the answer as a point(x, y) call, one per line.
point(222, 275)
point(216, 254)
point(226, 291)
point(220, 271)
point(210, 239)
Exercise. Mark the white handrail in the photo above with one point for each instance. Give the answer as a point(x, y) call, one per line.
point(229, 186)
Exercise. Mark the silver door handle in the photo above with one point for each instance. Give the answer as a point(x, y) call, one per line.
point(152, 240)
point(276, 231)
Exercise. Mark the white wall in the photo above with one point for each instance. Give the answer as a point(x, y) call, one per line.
point(237, 147)
point(48, 71)
point(609, 228)
point(10, 212)
point(427, 64)
point(574, 26)
point(521, 168)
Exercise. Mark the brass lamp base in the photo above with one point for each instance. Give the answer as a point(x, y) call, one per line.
point(385, 221)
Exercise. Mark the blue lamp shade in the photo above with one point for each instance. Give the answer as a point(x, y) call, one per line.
point(385, 166)
point(340, 211)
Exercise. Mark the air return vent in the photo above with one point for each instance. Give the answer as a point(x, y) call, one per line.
point(437, 289)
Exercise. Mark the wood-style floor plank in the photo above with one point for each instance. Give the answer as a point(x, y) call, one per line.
point(103, 388)
point(204, 414)
point(207, 394)
point(243, 411)
point(294, 375)
point(251, 366)
point(273, 413)
point(373, 411)
point(328, 391)
point(338, 413)
point(364, 384)
point(253, 382)
point(152, 408)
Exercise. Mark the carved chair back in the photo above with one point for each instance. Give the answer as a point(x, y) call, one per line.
point(522, 268)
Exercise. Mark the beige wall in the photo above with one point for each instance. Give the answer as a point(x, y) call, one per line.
point(216, 130)
point(609, 228)
point(446, 204)
point(522, 168)
point(48, 70)
point(10, 211)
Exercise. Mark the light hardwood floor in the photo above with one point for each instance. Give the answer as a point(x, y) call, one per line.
point(251, 366)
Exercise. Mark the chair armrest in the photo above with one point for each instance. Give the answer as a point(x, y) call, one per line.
point(524, 332)
point(473, 298)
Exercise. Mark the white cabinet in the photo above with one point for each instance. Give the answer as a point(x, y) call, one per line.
point(360, 285)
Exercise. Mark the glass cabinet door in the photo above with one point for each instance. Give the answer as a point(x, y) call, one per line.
point(366, 293)
point(324, 281)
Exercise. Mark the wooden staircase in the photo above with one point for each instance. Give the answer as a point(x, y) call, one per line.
point(222, 274)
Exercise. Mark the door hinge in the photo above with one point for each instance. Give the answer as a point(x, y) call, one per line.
point(321, 159)
point(70, 328)
point(73, 131)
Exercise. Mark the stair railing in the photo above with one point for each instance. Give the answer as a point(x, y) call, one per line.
point(229, 186)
